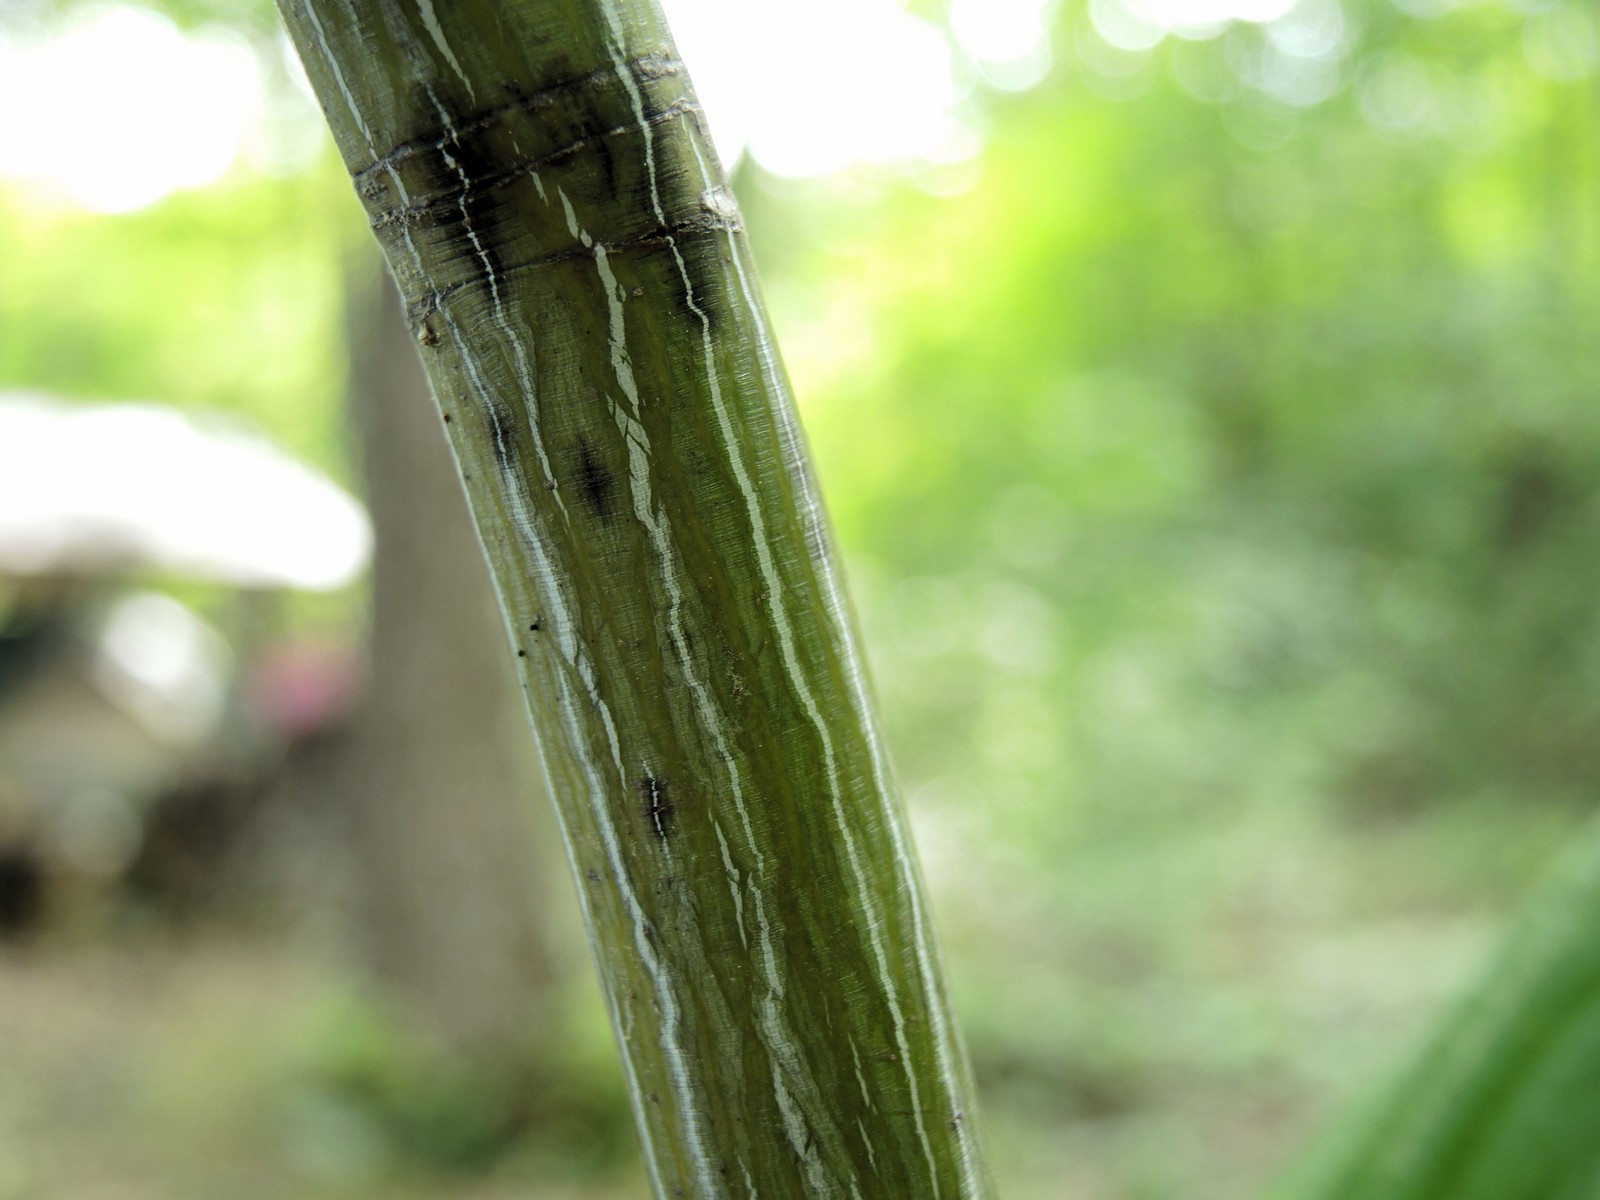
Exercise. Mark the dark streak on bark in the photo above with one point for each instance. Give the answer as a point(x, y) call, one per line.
point(439, 204)
point(502, 436)
point(645, 67)
point(659, 238)
point(595, 482)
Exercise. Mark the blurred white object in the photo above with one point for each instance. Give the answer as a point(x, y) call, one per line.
point(126, 107)
point(892, 93)
point(165, 666)
point(85, 488)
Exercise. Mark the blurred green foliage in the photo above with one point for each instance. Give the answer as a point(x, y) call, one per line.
point(421, 1107)
point(229, 299)
point(1504, 1104)
point(1216, 458)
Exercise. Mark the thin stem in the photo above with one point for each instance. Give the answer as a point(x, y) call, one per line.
point(577, 277)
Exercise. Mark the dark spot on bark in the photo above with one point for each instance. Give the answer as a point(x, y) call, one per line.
point(535, 625)
point(447, 418)
point(601, 145)
point(658, 805)
point(522, 654)
point(592, 875)
point(503, 434)
point(595, 483)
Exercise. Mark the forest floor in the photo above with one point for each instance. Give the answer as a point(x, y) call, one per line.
point(157, 1069)
point(239, 1063)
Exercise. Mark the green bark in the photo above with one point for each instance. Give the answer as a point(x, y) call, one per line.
point(578, 281)
point(1504, 1103)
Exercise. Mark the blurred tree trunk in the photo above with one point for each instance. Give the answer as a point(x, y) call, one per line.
point(575, 272)
point(440, 783)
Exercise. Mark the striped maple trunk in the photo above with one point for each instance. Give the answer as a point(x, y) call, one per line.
point(578, 281)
